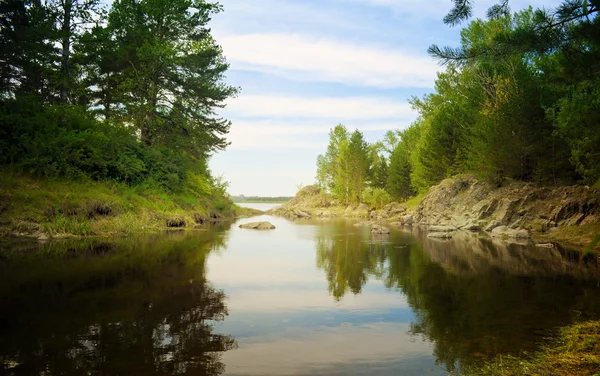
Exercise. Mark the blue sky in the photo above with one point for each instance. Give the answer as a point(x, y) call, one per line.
point(306, 65)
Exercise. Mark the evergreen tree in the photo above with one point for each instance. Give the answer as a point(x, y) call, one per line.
point(173, 83)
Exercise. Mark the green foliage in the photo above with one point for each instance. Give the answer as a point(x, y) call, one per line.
point(128, 97)
point(578, 122)
point(376, 197)
point(518, 100)
point(399, 183)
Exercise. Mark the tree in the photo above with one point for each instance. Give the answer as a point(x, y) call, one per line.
point(174, 80)
point(327, 164)
point(543, 35)
point(27, 54)
point(398, 181)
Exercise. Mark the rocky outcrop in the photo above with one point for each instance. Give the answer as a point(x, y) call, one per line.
point(258, 225)
point(513, 211)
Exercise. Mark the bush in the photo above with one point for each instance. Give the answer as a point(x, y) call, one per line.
point(67, 142)
point(376, 197)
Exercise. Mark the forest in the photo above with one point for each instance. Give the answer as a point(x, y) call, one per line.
point(519, 99)
point(128, 95)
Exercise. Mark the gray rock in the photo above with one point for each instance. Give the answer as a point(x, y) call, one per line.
point(407, 219)
point(492, 225)
point(362, 211)
point(258, 225)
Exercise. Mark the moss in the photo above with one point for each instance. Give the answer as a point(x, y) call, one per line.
point(574, 352)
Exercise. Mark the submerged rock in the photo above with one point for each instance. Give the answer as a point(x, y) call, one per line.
point(440, 235)
point(441, 228)
point(258, 225)
point(378, 229)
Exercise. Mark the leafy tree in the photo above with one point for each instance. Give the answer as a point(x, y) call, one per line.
point(173, 82)
point(327, 164)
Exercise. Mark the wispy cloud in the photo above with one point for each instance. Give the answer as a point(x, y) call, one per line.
point(302, 57)
point(335, 108)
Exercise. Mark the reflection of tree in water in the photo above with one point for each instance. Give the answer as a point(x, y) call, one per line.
point(348, 261)
point(146, 311)
point(467, 316)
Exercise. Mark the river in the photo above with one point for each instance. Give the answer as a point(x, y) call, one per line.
point(313, 297)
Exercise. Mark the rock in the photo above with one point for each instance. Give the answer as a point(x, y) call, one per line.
point(362, 211)
point(492, 225)
point(407, 219)
point(378, 229)
point(258, 225)
point(301, 214)
point(545, 245)
point(349, 210)
point(396, 224)
point(507, 232)
point(441, 229)
point(364, 223)
point(440, 235)
point(42, 237)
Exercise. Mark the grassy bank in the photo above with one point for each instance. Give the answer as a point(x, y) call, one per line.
point(575, 352)
point(57, 208)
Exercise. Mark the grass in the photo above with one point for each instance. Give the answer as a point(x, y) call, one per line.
point(59, 208)
point(413, 202)
point(575, 352)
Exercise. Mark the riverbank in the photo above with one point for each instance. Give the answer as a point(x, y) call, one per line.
point(574, 352)
point(516, 211)
point(51, 208)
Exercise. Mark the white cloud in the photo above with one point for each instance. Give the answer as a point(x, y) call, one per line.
point(335, 108)
point(305, 58)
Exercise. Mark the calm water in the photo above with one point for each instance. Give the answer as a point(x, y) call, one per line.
point(309, 298)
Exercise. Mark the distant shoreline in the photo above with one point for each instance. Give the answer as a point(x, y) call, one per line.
point(260, 202)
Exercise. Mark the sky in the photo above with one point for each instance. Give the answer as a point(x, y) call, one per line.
point(305, 66)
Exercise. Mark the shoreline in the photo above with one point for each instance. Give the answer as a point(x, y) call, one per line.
point(518, 212)
point(45, 209)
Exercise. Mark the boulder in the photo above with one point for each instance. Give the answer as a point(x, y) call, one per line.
point(362, 211)
point(258, 225)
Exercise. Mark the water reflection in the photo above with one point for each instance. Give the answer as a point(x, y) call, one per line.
point(473, 298)
point(139, 307)
point(309, 298)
